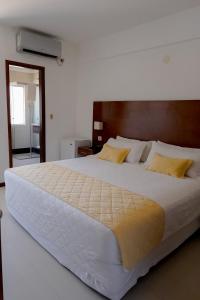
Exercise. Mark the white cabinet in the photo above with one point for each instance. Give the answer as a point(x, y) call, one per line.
point(69, 147)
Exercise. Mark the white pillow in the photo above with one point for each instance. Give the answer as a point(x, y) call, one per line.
point(147, 146)
point(136, 149)
point(177, 152)
point(194, 170)
point(191, 150)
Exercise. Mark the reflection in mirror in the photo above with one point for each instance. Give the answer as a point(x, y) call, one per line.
point(24, 115)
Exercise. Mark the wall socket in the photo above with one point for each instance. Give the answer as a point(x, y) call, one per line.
point(99, 138)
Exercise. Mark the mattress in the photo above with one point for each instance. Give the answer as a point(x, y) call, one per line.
point(86, 247)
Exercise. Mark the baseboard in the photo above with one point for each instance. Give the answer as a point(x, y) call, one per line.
point(2, 184)
point(20, 150)
point(36, 150)
point(25, 150)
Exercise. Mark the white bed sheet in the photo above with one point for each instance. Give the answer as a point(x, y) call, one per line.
point(87, 247)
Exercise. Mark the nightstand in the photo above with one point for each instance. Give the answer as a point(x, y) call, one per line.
point(84, 151)
point(69, 147)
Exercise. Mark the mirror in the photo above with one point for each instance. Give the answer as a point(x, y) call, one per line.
point(25, 115)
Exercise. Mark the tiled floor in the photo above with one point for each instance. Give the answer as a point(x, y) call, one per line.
point(177, 277)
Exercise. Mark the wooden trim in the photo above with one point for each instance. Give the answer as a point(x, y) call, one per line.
point(42, 115)
point(2, 184)
point(8, 114)
point(24, 65)
point(172, 121)
point(42, 107)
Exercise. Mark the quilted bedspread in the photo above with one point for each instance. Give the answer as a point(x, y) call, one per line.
point(136, 221)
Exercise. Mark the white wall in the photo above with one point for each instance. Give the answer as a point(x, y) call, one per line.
point(60, 95)
point(159, 60)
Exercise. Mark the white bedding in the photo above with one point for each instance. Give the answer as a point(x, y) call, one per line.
point(87, 247)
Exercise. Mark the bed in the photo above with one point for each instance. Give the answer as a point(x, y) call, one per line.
point(87, 247)
point(93, 254)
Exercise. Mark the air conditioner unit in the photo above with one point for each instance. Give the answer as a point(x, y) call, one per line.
point(35, 43)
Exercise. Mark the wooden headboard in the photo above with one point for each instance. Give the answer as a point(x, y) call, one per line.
point(174, 122)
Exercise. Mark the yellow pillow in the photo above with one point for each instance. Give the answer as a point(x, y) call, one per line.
point(113, 154)
point(171, 166)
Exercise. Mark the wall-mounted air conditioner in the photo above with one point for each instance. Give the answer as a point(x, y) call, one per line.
point(31, 42)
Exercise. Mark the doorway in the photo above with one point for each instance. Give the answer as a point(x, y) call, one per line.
point(25, 86)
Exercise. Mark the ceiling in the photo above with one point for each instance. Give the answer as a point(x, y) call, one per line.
point(78, 20)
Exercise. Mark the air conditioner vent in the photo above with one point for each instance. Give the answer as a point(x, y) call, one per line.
point(34, 43)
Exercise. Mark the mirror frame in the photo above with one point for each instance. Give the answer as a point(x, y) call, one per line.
point(41, 70)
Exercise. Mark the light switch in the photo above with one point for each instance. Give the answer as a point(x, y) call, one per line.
point(99, 138)
point(51, 116)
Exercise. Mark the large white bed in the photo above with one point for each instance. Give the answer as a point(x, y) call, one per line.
point(87, 247)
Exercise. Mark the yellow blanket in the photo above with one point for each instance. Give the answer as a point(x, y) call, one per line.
point(136, 221)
